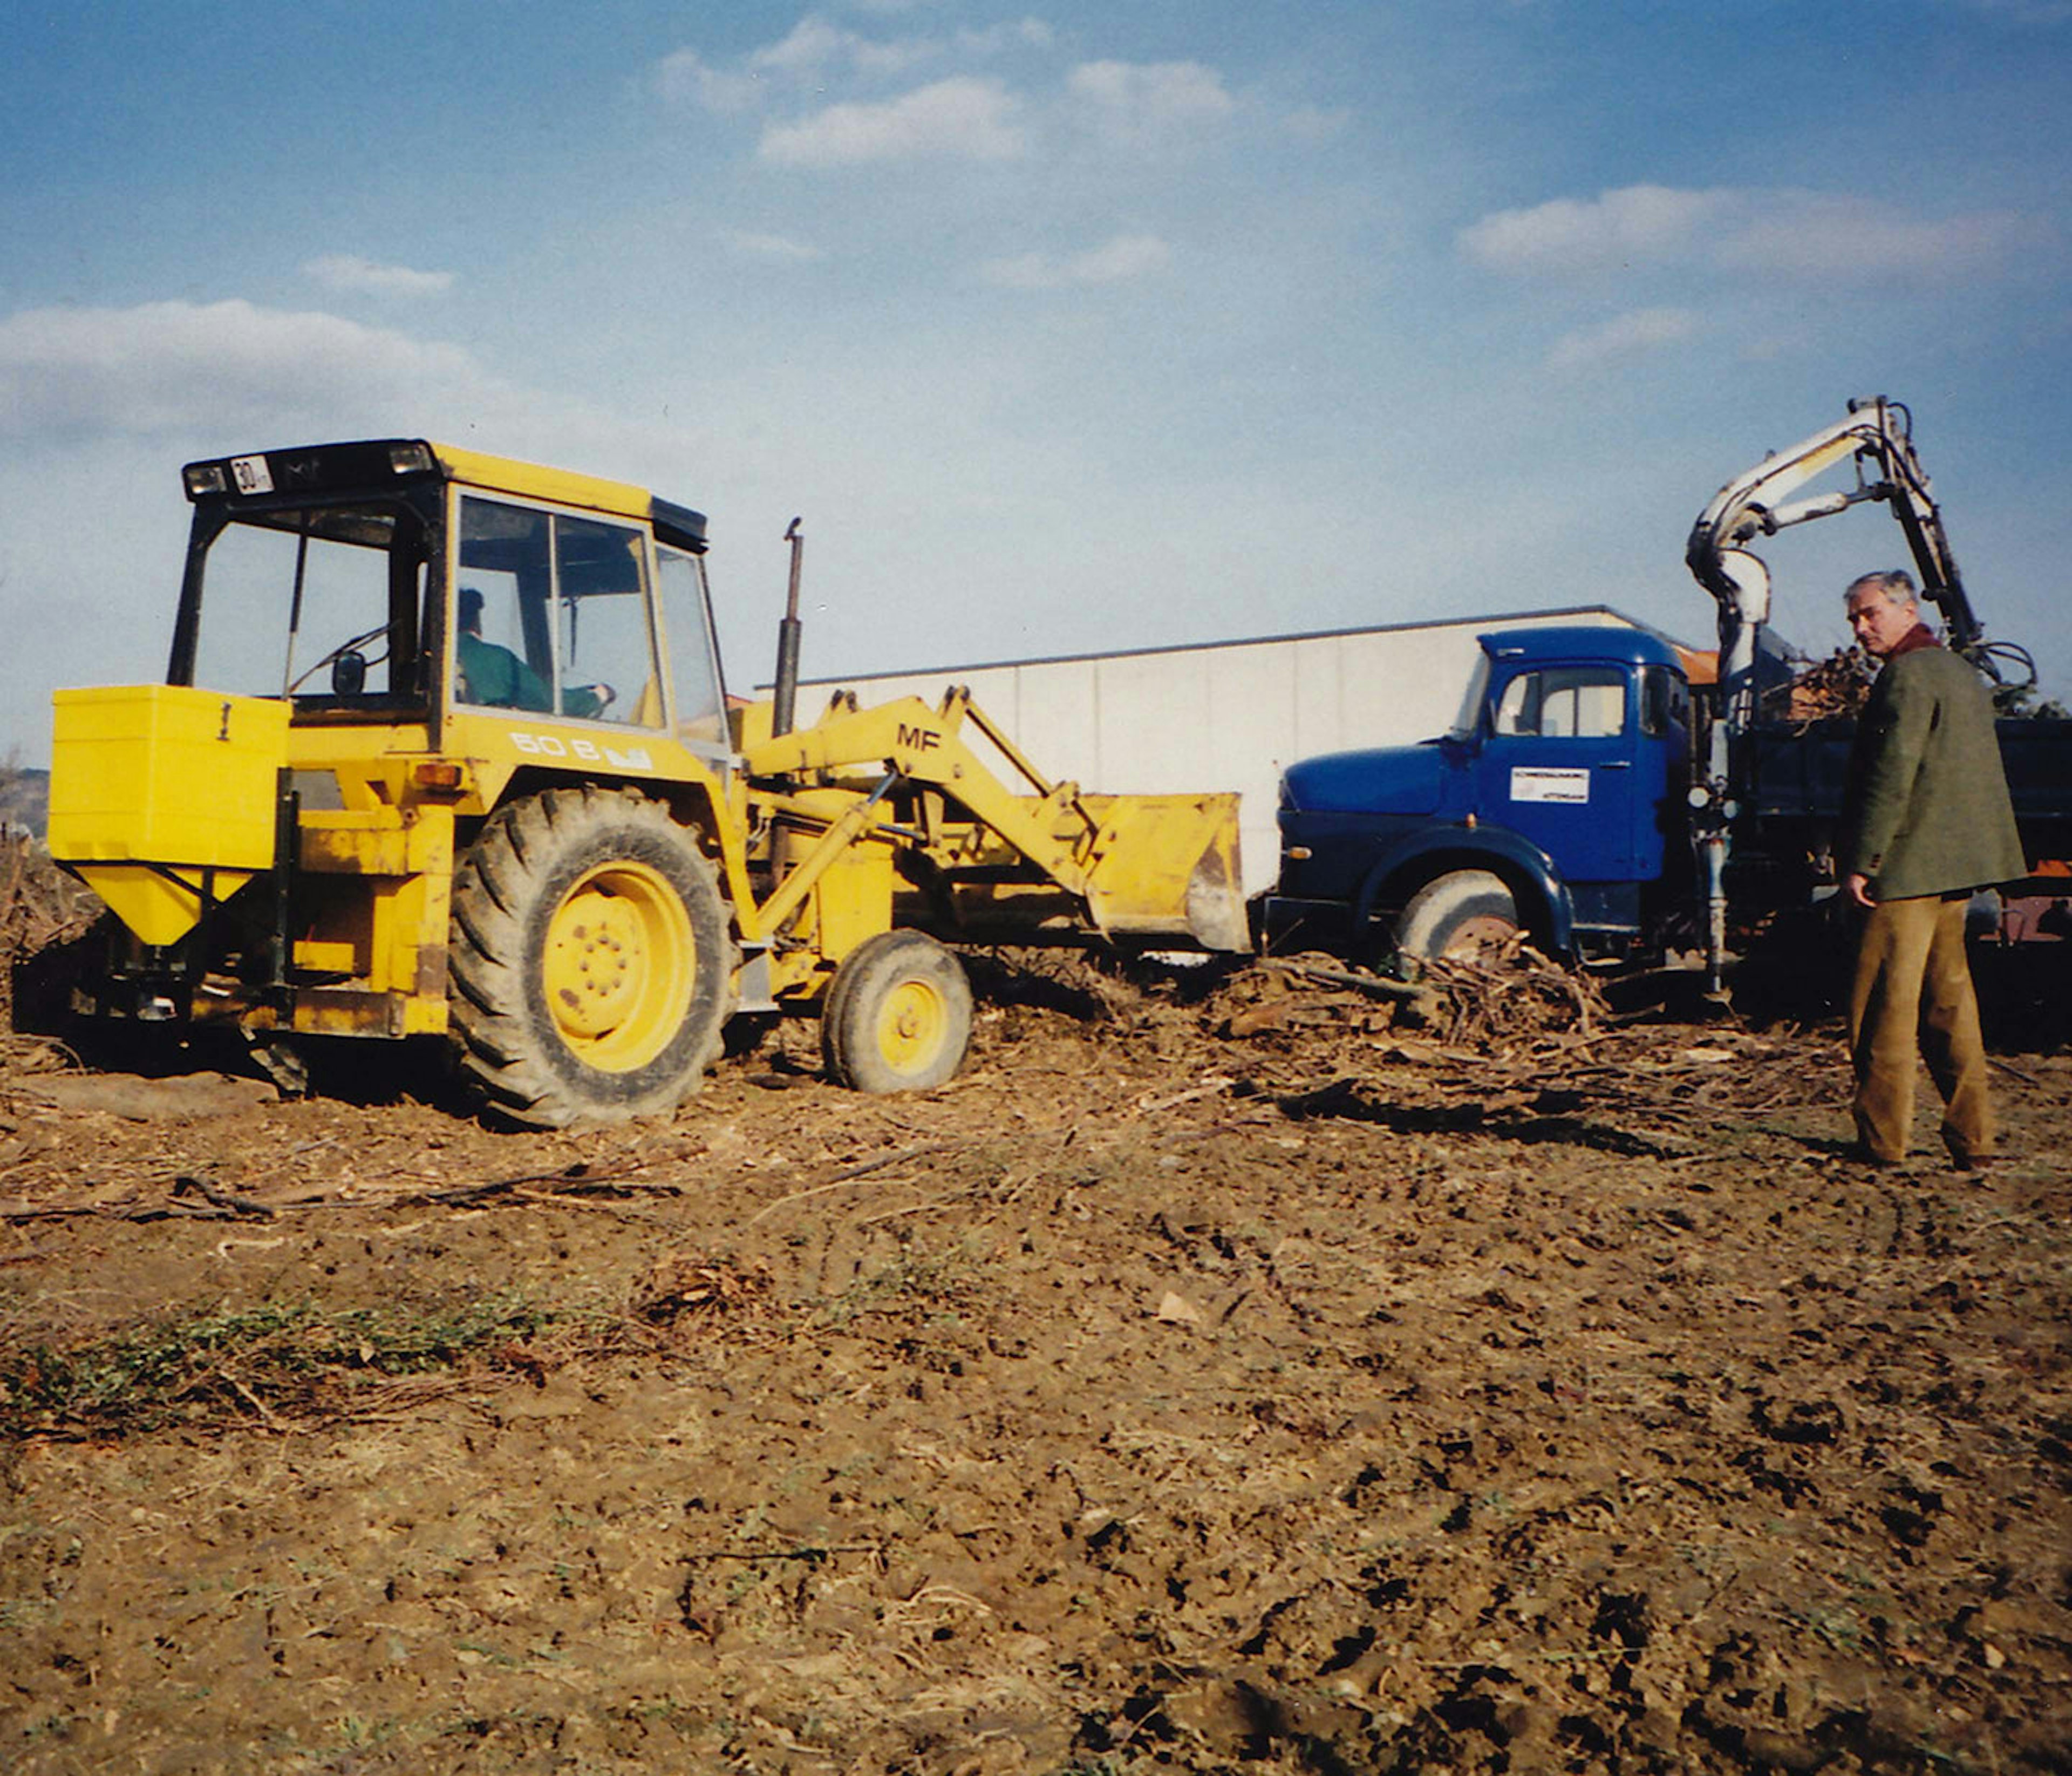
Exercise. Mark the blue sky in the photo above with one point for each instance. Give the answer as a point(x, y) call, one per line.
point(1066, 329)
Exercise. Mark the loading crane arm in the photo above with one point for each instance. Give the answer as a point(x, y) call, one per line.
point(1879, 434)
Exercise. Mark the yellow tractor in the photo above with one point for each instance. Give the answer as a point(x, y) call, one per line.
point(444, 750)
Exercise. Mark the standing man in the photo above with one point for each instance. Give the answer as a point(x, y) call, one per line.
point(1927, 821)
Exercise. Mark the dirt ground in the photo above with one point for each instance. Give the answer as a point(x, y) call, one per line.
point(1206, 1380)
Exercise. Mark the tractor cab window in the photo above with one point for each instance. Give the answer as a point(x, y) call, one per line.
point(551, 616)
point(323, 604)
point(694, 657)
point(1564, 702)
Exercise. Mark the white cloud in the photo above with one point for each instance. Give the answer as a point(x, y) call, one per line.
point(771, 246)
point(227, 367)
point(1813, 236)
point(1790, 234)
point(1568, 235)
point(684, 76)
point(1629, 335)
point(1023, 34)
point(1125, 257)
point(815, 51)
point(814, 45)
point(349, 271)
point(962, 118)
point(1311, 123)
point(1142, 101)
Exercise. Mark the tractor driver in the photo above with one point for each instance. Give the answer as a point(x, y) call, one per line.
point(494, 675)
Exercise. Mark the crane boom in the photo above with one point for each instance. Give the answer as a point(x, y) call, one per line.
point(1879, 434)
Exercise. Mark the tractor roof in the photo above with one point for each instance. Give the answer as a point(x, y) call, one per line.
point(277, 477)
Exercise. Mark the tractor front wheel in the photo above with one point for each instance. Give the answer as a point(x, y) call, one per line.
point(590, 966)
point(898, 1016)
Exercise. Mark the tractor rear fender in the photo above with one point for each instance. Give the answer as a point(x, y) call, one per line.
point(1542, 899)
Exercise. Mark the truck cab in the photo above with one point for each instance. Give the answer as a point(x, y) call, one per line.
point(1554, 805)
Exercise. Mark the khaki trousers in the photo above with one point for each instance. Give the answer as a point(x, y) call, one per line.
point(1913, 986)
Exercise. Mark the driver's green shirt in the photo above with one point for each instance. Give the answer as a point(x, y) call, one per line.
point(494, 675)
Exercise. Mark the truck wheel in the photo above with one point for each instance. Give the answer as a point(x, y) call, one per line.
point(1456, 914)
point(898, 1016)
point(590, 968)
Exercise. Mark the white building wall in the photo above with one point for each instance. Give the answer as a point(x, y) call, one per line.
point(1228, 715)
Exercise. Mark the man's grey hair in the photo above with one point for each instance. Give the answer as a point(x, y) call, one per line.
point(1897, 584)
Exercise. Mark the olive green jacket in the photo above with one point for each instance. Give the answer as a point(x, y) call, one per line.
point(1927, 811)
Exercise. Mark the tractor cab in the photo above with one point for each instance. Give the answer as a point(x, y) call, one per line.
point(400, 583)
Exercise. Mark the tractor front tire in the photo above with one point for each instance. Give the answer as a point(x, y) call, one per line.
point(590, 970)
point(898, 1016)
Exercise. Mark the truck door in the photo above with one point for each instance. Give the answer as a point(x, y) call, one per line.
point(1561, 765)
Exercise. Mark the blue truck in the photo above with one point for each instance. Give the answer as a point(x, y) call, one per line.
point(1559, 803)
point(1589, 795)
point(1552, 805)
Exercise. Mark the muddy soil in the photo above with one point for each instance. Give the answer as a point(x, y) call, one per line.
point(1205, 1380)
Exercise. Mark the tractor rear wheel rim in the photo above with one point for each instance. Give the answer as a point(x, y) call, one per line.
point(620, 965)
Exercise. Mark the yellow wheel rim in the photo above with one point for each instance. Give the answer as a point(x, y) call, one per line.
point(620, 966)
point(913, 1024)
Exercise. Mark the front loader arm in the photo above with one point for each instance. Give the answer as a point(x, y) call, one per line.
point(915, 743)
point(1139, 864)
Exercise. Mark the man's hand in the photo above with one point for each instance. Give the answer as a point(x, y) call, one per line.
point(1858, 888)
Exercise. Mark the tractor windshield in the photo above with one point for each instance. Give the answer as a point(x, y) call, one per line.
point(552, 615)
point(323, 603)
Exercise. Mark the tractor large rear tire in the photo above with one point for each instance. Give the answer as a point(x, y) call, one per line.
point(590, 970)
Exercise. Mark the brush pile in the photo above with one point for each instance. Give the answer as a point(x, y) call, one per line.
point(1830, 690)
point(41, 907)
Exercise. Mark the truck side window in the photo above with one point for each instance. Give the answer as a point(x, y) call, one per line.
point(1665, 701)
point(1518, 710)
point(1564, 702)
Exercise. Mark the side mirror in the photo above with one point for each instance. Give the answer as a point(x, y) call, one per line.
point(348, 673)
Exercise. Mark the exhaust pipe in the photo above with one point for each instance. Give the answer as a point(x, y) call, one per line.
point(786, 698)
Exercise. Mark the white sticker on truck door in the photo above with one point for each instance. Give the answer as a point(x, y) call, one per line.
point(1544, 784)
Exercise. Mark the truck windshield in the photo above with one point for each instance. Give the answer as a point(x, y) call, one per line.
point(322, 603)
point(1469, 719)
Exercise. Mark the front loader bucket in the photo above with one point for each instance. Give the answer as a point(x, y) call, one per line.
point(1168, 867)
point(163, 798)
